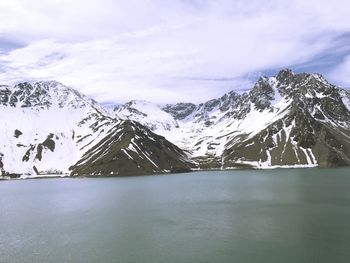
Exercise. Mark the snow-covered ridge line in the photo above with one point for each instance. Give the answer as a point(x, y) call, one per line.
point(213, 127)
point(54, 127)
point(286, 121)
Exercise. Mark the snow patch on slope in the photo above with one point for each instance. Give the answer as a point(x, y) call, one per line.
point(71, 121)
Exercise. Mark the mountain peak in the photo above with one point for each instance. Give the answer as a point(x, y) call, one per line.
point(285, 75)
point(42, 94)
point(285, 71)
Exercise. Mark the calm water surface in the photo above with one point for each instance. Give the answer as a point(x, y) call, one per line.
point(237, 216)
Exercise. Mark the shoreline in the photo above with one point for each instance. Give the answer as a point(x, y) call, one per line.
point(63, 176)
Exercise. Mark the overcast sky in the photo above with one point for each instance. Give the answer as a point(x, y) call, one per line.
point(171, 50)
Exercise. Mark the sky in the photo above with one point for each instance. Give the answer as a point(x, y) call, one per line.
point(168, 51)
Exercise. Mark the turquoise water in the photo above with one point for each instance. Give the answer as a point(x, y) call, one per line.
point(296, 215)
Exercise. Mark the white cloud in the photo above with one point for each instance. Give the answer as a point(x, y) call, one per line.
point(163, 50)
point(340, 75)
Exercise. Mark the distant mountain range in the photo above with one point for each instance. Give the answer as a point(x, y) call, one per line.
point(291, 120)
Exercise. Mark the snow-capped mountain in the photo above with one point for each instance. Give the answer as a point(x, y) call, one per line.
point(291, 120)
point(48, 128)
point(297, 120)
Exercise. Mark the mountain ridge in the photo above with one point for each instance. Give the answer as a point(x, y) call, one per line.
point(289, 120)
point(47, 128)
point(217, 128)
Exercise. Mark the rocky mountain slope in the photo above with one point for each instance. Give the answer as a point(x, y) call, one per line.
point(48, 128)
point(291, 120)
point(135, 150)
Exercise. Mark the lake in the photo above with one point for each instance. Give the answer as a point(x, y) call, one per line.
point(293, 215)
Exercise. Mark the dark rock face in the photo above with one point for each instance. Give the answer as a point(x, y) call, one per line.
point(316, 129)
point(291, 145)
point(232, 103)
point(37, 149)
point(5, 93)
point(38, 94)
point(48, 144)
point(180, 110)
point(131, 149)
point(2, 171)
point(17, 133)
point(262, 94)
point(228, 101)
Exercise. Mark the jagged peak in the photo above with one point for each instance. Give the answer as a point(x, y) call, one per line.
point(263, 85)
point(232, 94)
point(35, 83)
point(180, 110)
point(289, 75)
point(47, 85)
point(319, 77)
point(46, 93)
point(285, 76)
point(286, 71)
